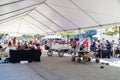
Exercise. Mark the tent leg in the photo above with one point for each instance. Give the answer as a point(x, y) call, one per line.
point(100, 43)
point(119, 32)
point(79, 35)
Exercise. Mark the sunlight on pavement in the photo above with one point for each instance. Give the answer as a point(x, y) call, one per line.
point(112, 62)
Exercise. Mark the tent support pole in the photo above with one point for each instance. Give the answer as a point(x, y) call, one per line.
point(100, 42)
point(119, 32)
point(79, 35)
point(20, 25)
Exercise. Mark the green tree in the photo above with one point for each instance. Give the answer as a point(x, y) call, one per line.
point(111, 32)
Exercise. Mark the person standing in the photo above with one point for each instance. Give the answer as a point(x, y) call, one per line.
point(74, 43)
point(93, 46)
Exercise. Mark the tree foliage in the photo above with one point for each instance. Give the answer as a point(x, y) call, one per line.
point(111, 32)
point(91, 33)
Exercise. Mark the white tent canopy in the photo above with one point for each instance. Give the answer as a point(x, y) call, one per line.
point(49, 16)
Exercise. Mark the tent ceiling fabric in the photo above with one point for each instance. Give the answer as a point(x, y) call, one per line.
point(50, 16)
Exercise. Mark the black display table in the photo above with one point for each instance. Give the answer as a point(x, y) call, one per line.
point(24, 55)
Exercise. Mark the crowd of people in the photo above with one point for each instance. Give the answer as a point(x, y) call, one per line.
point(107, 48)
point(20, 45)
point(99, 47)
point(103, 46)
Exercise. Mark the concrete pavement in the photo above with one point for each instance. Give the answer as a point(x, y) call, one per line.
point(58, 68)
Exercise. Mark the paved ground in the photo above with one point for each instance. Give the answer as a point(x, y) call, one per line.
point(58, 68)
point(112, 61)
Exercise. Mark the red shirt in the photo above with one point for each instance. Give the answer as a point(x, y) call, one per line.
point(9, 44)
point(14, 41)
point(74, 43)
point(38, 48)
point(85, 43)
